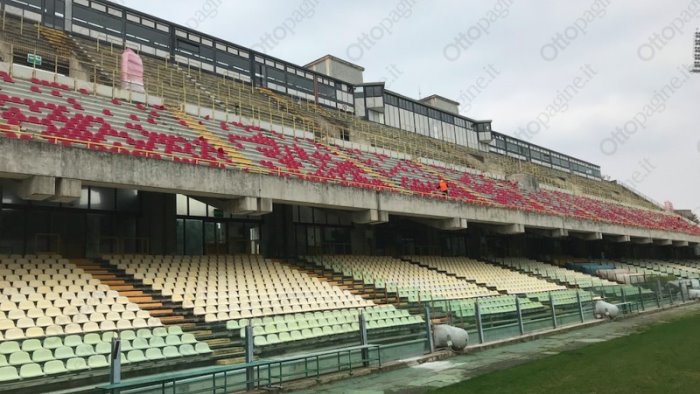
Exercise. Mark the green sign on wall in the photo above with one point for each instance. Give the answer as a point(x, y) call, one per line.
point(34, 59)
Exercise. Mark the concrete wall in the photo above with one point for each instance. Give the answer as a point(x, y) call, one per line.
point(22, 159)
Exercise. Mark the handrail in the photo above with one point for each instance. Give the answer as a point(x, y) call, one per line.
point(312, 368)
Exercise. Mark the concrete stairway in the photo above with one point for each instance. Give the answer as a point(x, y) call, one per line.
point(473, 281)
point(231, 153)
point(134, 290)
point(225, 348)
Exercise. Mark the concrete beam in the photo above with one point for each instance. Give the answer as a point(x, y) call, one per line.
point(67, 190)
point(23, 159)
point(37, 188)
point(680, 244)
point(248, 206)
point(549, 233)
point(370, 216)
point(617, 238)
point(451, 224)
point(586, 236)
point(510, 229)
point(641, 240)
point(663, 242)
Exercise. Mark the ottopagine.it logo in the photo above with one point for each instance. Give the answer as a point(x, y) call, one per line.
point(208, 10)
point(561, 40)
point(268, 41)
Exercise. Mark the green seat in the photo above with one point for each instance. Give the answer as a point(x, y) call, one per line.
point(174, 330)
point(30, 345)
point(317, 331)
point(135, 356)
point(9, 347)
point(296, 335)
point(173, 340)
point(97, 361)
point(84, 350)
point(103, 348)
point(272, 339)
point(144, 333)
point(306, 333)
point(139, 343)
point(76, 364)
point(52, 342)
point(187, 350)
point(19, 358)
point(156, 342)
point(29, 371)
point(170, 352)
point(125, 345)
point(188, 338)
point(63, 352)
point(8, 373)
point(124, 335)
point(107, 335)
point(92, 339)
point(160, 332)
point(259, 341)
point(72, 341)
point(154, 354)
point(54, 367)
point(42, 355)
point(202, 347)
point(3, 360)
point(232, 325)
point(285, 337)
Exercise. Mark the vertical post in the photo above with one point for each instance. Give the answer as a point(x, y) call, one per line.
point(479, 325)
point(249, 348)
point(364, 339)
point(684, 288)
point(641, 298)
point(580, 306)
point(115, 367)
point(429, 328)
point(520, 315)
point(449, 312)
point(658, 293)
point(554, 312)
point(670, 295)
point(624, 297)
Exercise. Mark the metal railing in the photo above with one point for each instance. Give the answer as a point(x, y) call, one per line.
point(265, 373)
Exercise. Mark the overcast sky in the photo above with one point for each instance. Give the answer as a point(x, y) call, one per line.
point(565, 75)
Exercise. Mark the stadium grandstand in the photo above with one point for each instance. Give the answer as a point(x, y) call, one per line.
point(211, 206)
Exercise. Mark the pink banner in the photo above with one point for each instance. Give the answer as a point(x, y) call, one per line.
point(132, 71)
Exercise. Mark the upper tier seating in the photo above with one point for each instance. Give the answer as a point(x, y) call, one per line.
point(407, 280)
point(487, 274)
point(47, 111)
point(222, 288)
point(55, 318)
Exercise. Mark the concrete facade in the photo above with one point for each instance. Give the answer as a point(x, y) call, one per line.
point(25, 159)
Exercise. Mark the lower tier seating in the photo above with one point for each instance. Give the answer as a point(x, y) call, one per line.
point(57, 319)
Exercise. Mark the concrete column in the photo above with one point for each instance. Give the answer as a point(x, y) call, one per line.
point(37, 188)
point(67, 190)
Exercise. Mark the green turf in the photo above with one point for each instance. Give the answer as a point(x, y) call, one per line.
point(663, 358)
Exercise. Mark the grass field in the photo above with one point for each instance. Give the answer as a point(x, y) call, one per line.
point(665, 358)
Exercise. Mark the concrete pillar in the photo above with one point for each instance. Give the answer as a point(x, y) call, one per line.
point(67, 190)
point(37, 188)
point(158, 222)
point(370, 216)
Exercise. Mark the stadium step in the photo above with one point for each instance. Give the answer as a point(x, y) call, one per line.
point(232, 154)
